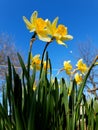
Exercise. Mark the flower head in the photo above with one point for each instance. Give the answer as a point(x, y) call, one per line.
point(58, 32)
point(37, 25)
point(67, 67)
point(35, 61)
point(78, 78)
point(81, 66)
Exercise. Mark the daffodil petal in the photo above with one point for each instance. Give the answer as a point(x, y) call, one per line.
point(54, 23)
point(42, 35)
point(44, 38)
point(61, 42)
point(28, 24)
point(49, 28)
point(37, 56)
point(34, 17)
point(67, 37)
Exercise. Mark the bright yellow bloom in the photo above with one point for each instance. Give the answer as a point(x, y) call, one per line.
point(78, 78)
point(37, 25)
point(35, 61)
point(44, 65)
point(67, 67)
point(59, 33)
point(81, 66)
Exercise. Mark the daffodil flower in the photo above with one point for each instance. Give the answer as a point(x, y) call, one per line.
point(78, 78)
point(37, 25)
point(81, 66)
point(59, 32)
point(35, 61)
point(67, 67)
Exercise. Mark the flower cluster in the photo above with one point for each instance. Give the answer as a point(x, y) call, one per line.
point(78, 72)
point(47, 30)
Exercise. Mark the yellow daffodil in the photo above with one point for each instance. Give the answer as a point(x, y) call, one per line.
point(37, 25)
point(67, 67)
point(59, 33)
point(78, 78)
point(35, 61)
point(81, 66)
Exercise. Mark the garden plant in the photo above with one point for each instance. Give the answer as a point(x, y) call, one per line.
point(47, 103)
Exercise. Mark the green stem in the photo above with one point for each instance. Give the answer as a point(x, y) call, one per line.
point(43, 56)
point(33, 38)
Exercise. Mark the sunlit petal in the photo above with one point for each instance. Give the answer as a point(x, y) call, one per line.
point(67, 37)
point(54, 23)
point(49, 28)
point(61, 42)
point(34, 17)
point(28, 24)
point(44, 38)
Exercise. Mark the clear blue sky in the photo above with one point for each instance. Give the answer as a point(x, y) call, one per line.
point(80, 16)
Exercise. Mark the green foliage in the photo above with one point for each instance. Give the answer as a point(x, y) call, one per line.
point(49, 107)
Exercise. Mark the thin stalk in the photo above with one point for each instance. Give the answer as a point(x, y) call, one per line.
point(33, 38)
point(43, 56)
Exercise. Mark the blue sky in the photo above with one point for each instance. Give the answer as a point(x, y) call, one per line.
point(80, 16)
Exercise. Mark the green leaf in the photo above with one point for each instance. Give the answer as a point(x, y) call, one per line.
point(23, 66)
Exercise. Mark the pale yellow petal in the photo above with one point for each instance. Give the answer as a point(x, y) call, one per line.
point(42, 35)
point(37, 56)
point(49, 28)
point(67, 37)
point(34, 17)
point(28, 24)
point(61, 42)
point(54, 23)
point(44, 38)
